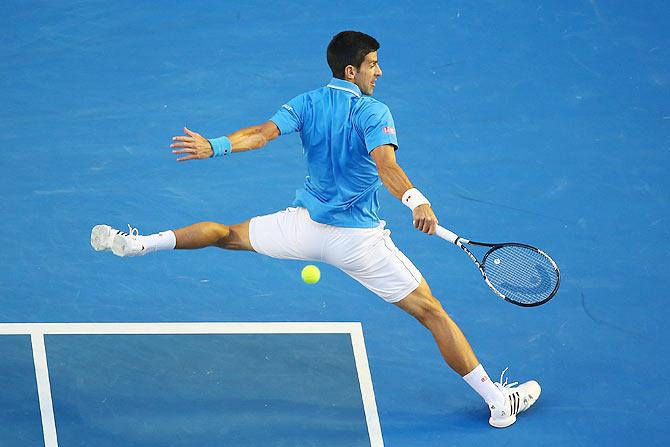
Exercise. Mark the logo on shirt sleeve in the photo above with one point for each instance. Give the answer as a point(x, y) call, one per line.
point(389, 130)
point(288, 107)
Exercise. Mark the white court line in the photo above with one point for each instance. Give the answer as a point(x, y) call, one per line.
point(38, 330)
point(368, 393)
point(44, 390)
point(176, 328)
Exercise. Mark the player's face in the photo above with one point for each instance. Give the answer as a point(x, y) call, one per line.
point(367, 74)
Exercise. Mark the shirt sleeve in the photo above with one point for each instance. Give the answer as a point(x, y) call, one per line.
point(378, 127)
point(289, 118)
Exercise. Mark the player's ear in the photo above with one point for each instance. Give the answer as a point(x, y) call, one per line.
point(349, 72)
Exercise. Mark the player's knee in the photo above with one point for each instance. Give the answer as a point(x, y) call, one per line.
point(235, 237)
point(215, 232)
point(431, 312)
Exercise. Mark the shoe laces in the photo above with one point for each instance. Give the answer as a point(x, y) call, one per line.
point(504, 385)
point(132, 232)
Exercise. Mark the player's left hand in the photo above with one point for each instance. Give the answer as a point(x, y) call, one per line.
point(193, 145)
point(424, 219)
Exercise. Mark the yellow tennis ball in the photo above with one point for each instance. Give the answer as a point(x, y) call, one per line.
point(311, 274)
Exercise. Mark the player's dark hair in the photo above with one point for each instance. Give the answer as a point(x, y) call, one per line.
point(349, 48)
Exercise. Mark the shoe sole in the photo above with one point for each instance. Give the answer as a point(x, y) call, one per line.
point(119, 245)
point(100, 238)
point(502, 423)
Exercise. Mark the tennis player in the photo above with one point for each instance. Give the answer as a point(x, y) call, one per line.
point(349, 142)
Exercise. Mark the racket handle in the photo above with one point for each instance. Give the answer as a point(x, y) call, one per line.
point(446, 234)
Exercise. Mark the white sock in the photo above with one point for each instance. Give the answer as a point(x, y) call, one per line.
point(481, 383)
point(165, 240)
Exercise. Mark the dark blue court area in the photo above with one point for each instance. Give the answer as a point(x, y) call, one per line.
point(542, 122)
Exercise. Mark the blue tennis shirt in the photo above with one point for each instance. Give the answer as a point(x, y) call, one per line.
point(339, 127)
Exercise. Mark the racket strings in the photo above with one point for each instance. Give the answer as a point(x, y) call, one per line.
point(521, 273)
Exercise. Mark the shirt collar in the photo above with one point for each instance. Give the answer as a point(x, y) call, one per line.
point(341, 84)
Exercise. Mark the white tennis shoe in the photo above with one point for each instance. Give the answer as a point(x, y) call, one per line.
point(518, 399)
point(105, 238)
point(128, 244)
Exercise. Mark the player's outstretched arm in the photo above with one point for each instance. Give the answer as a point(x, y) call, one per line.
point(398, 184)
point(194, 146)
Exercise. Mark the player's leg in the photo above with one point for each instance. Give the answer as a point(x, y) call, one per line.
point(199, 235)
point(370, 257)
point(212, 234)
point(287, 234)
point(505, 402)
point(453, 345)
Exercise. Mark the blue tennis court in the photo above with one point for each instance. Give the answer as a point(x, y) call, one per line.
point(540, 122)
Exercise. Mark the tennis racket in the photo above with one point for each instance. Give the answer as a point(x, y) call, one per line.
point(518, 273)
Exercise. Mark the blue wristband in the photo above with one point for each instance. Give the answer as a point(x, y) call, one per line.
point(221, 146)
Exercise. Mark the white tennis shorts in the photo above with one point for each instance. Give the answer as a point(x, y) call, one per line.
point(366, 254)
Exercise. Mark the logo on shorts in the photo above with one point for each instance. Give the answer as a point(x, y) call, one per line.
point(390, 130)
point(485, 378)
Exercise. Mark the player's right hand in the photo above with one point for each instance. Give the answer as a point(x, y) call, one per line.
point(193, 145)
point(424, 219)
